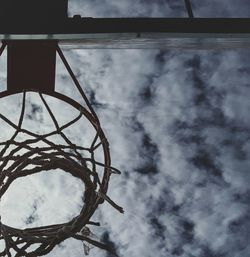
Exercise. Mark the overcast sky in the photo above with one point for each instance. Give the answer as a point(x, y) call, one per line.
point(179, 130)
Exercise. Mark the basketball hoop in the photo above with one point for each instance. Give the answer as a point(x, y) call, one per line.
point(24, 158)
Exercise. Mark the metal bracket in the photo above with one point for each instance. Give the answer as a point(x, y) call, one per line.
point(31, 65)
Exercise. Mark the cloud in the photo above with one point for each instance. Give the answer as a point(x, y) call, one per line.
point(180, 142)
point(159, 8)
point(178, 127)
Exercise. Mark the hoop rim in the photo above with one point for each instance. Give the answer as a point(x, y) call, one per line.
point(88, 209)
point(86, 113)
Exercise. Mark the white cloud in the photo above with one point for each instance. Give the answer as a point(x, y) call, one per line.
point(184, 112)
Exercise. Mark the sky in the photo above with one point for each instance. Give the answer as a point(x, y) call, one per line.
point(178, 127)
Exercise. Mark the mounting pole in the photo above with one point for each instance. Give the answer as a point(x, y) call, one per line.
point(189, 8)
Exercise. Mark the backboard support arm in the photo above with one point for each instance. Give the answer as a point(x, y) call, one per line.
point(31, 65)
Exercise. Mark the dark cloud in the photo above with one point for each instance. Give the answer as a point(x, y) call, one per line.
point(35, 112)
point(111, 244)
point(33, 217)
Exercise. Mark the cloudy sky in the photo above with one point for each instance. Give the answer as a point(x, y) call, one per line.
point(179, 130)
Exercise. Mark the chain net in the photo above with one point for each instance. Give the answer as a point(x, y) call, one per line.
point(37, 153)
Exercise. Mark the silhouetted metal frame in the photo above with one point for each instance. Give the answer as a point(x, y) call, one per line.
point(77, 25)
point(194, 33)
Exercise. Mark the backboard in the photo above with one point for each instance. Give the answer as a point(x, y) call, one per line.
point(135, 33)
point(48, 20)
